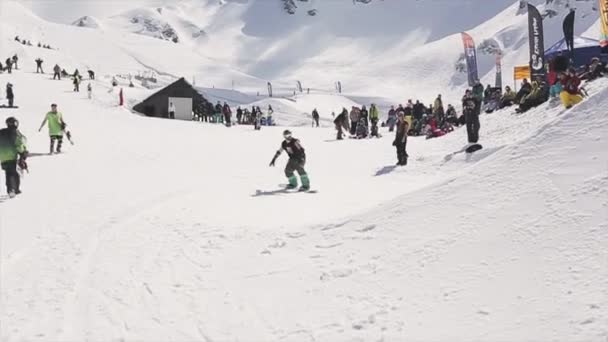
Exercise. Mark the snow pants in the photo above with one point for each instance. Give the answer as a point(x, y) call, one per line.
point(401, 154)
point(296, 165)
point(472, 121)
point(57, 76)
point(10, 101)
point(39, 69)
point(59, 139)
point(11, 175)
point(569, 100)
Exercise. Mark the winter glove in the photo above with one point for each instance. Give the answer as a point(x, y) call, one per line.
point(395, 143)
point(22, 164)
point(272, 161)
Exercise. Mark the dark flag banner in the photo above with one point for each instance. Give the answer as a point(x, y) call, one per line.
point(569, 32)
point(537, 44)
point(499, 69)
point(269, 89)
point(299, 86)
point(471, 56)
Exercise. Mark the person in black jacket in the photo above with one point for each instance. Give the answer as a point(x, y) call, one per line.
point(297, 160)
point(342, 122)
point(10, 96)
point(315, 117)
point(526, 88)
point(39, 66)
point(471, 116)
point(400, 141)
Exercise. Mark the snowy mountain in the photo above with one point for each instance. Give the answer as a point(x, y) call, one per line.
point(150, 229)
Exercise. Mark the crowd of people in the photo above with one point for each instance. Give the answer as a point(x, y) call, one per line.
point(29, 43)
point(222, 114)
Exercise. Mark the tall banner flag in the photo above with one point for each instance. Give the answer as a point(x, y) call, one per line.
point(499, 69)
point(269, 89)
point(537, 44)
point(604, 16)
point(568, 27)
point(471, 56)
point(299, 86)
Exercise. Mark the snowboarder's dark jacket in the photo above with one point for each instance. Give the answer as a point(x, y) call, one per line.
point(9, 92)
point(468, 103)
point(418, 110)
point(401, 134)
point(294, 149)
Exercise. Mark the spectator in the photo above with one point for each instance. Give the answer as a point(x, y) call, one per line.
point(39, 66)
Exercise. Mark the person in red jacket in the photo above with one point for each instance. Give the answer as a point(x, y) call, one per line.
point(570, 92)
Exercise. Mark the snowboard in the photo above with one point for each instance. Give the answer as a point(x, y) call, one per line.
point(473, 148)
point(282, 191)
point(5, 106)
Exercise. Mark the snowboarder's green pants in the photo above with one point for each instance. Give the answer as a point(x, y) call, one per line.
point(297, 165)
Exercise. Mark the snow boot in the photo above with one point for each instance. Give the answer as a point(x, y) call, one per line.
point(305, 183)
point(293, 182)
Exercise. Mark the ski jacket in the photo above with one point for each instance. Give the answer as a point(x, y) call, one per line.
point(315, 114)
point(9, 93)
point(401, 133)
point(373, 113)
point(55, 123)
point(468, 103)
point(293, 148)
point(570, 84)
point(438, 104)
point(354, 114)
point(57, 69)
point(478, 92)
point(12, 144)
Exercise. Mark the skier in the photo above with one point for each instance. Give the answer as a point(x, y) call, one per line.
point(400, 141)
point(13, 153)
point(315, 117)
point(15, 60)
point(297, 160)
point(10, 96)
point(56, 126)
point(89, 91)
point(57, 72)
point(374, 117)
point(39, 66)
point(171, 110)
point(91, 74)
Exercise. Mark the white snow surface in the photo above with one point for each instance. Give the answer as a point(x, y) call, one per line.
point(156, 230)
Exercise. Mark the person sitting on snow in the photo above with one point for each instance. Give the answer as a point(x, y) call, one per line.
point(570, 94)
point(594, 70)
point(508, 98)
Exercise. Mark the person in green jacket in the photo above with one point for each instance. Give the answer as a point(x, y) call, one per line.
point(374, 117)
point(56, 126)
point(13, 153)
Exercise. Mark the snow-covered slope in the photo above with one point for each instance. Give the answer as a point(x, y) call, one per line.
point(151, 229)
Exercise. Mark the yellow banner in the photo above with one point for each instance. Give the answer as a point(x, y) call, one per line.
point(604, 16)
point(521, 72)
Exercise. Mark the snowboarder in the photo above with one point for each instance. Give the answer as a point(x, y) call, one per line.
point(400, 141)
point(56, 127)
point(13, 154)
point(91, 74)
point(478, 96)
point(15, 60)
point(374, 117)
point(228, 114)
point(10, 96)
point(355, 113)
point(315, 117)
point(297, 160)
point(469, 105)
point(171, 110)
point(57, 72)
point(39, 66)
point(89, 91)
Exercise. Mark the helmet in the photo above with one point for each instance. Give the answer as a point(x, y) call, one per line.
point(12, 122)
